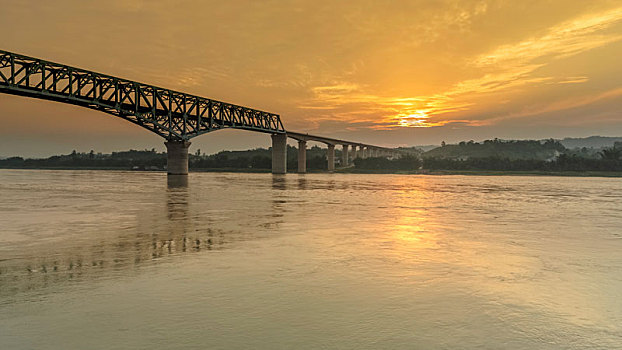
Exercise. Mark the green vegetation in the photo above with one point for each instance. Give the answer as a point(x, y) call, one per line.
point(259, 159)
point(488, 157)
point(548, 156)
point(561, 163)
point(409, 162)
point(117, 160)
point(496, 148)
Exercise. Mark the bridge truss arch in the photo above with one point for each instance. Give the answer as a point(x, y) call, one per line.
point(174, 115)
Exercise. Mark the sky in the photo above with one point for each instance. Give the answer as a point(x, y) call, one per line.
point(390, 73)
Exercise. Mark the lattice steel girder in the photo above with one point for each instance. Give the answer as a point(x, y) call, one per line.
point(171, 114)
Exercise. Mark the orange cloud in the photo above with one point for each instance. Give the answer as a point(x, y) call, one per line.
point(506, 69)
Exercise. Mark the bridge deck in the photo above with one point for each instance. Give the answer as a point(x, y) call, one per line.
point(331, 141)
point(171, 114)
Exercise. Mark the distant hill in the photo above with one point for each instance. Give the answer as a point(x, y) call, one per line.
point(541, 150)
point(590, 142)
point(426, 148)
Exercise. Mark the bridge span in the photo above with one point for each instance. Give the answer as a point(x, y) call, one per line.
point(350, 151)
point(174, 115)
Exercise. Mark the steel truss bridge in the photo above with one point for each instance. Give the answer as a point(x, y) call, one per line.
point(174, 115)
point(171, 114)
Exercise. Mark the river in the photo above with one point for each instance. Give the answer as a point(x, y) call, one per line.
point(129, 260)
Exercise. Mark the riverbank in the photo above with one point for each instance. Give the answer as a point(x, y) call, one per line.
point(486, 172)
point(352, 170)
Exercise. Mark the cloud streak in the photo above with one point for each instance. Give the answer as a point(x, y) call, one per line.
point(505, 70)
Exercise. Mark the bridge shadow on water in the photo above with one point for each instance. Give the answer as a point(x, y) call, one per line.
point(164, 231)
point(302, 182)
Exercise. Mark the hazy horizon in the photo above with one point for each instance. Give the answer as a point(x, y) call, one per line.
point(209, 151)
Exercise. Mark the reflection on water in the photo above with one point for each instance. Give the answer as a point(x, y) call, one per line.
point(105, 249)
point(177, 181)
point(279, 182)
point(308, 261)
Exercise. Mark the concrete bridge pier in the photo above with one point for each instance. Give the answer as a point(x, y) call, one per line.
point(330, 157)
point(364, 151)
point(279, 153)
point(177, 157)
point(302, 157)
point(350, 151)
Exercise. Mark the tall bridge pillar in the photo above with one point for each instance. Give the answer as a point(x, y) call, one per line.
point(279, 153)
point(354, 155)
point(177, 157)
point(302, 157)
point(330, 157)
point(344, 156)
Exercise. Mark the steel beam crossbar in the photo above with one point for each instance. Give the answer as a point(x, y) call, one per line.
point(171, 114)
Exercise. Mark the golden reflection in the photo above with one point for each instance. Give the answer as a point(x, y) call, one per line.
point(414, 227)
point(484, 258)
point(414, 230)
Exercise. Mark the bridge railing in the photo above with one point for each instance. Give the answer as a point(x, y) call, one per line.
point(170, 114)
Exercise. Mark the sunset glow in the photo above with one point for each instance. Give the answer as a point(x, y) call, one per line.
point(384, 73)
point(418, 119)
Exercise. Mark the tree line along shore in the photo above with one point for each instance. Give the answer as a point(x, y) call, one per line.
point(492, 156)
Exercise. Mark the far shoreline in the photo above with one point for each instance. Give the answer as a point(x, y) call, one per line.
point(612, 174)
point(488, 172)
